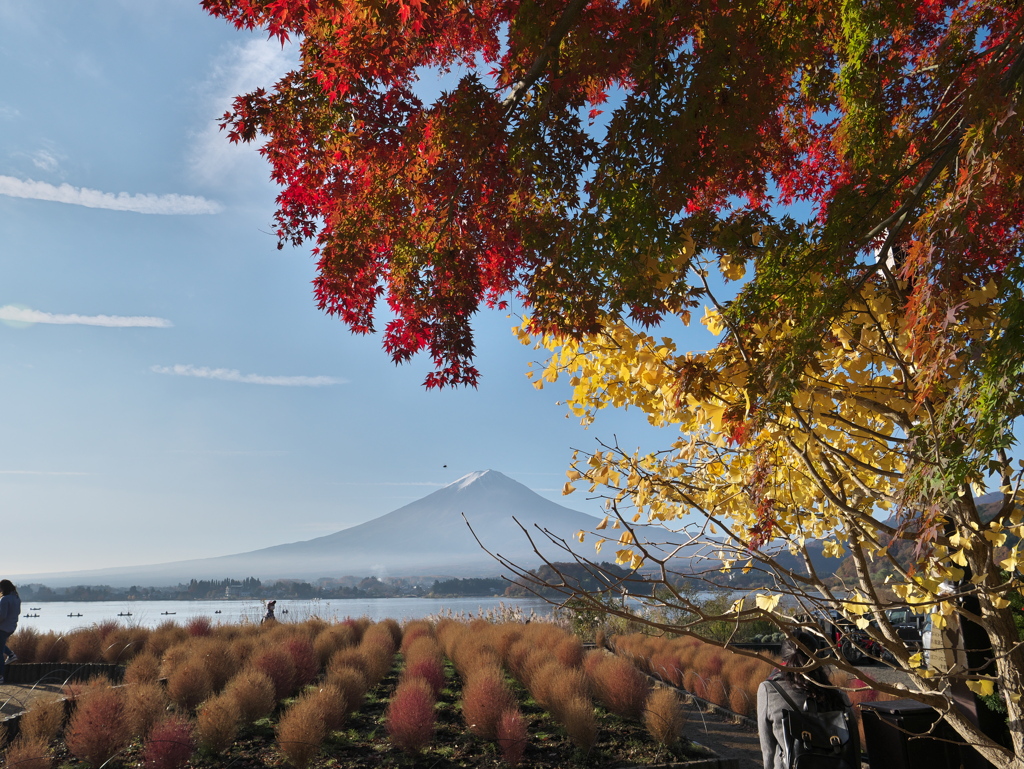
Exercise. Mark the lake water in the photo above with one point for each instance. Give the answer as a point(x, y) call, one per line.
point(57, 615)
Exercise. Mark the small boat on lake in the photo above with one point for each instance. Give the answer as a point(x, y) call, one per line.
point(74, 615)
point(168, 612)
point(124, 614)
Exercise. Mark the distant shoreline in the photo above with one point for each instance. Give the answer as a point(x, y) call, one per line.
point(425, 597)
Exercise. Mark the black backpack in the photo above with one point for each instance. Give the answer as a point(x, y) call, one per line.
point(818, 740)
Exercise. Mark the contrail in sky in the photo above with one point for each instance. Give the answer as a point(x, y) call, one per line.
point(233, 375)
point(25, 315)
point(143, 203)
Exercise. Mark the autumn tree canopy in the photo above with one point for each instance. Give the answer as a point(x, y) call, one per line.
point(587, 150)
point(823, 481)
point(853, 169)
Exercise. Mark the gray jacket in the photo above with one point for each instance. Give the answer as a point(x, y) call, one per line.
point(769, 721)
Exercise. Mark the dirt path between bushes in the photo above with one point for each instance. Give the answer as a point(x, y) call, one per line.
point(16, 698)
point(727, 738)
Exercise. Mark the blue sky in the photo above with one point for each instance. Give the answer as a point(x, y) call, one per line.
point(169, 389)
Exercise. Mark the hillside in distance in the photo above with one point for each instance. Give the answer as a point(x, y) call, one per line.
point(426, 537)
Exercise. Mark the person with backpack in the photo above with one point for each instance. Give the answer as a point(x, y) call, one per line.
point(802, 720)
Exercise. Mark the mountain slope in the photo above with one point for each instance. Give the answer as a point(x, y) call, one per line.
point(428, 536)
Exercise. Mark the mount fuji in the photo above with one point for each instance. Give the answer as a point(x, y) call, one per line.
point(426, 537)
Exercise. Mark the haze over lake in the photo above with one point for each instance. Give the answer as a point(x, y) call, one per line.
point(53, 616)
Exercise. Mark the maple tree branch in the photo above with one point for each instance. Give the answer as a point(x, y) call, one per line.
point(559, 31)
point(953, 136)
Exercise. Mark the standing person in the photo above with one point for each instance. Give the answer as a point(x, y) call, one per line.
point(10, 610)
point(270, 611)
point(813, 697)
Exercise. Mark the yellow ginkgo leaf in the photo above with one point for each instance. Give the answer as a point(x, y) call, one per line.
point(767, 602)
point(713, 321)
point(982, 688)
point(997, 538)
point(602, 524)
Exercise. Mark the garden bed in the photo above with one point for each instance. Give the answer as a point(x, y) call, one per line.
point(366, 734)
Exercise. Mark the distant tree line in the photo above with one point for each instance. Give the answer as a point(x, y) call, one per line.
point(250, 587)
point(544, 580)
point(470, 586)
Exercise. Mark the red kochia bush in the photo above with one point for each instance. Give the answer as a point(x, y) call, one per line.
point(189, 684)
point(569, 651)
point(199, 627)
point(617, 684)
point(84, 646)
point(254, 692)
point(279, 667)
point(28, 754)
point(331, 639)
point(512, 736)
point(306, 660)
point(666, 665)
point(301, 731)
point(430, 670)
point(410, 715)
point(352, 685)
point(50, 647)
point(484, 698)
point(394, 629)
point(24, 642)
point(97, 730)
point(378, 653)
point(664, 716)
point(170, 744)
point(414, 631)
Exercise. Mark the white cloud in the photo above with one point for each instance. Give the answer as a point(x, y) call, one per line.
point(14, 314)
point(213, 160)
point(122, 201)
point(233, 375)
point(45, 161)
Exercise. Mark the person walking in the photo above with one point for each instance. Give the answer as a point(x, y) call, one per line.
point(10, 610)
point(811, 695)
